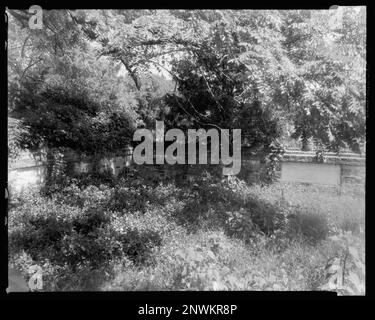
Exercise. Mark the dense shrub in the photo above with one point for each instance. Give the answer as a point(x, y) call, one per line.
point(96, 178)
point(229, 204)
point(127, 199)
point(37, 226)
point(84, 196)
point(65, 179)
point(239, 225)
point(47, 229)
point(138, 245)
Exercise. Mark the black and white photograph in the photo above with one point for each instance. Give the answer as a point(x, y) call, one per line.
point(186, 150)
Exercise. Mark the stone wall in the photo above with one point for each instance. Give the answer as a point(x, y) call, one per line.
point(340, 169)
point(30, 169)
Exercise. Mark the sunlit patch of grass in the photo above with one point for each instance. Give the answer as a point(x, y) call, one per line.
point(343, 211)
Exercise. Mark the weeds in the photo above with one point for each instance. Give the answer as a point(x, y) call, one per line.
point(209, 236)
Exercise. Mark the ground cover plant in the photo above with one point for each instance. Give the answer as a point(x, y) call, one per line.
point(226, 235)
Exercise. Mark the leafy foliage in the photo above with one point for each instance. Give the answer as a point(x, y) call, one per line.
point(328, 89)
point(345, 272)
point(15, 131)
point(248, 69)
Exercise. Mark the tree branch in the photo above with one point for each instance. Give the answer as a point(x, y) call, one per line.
point(132, 74)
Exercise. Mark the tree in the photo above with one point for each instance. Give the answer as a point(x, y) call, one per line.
point(248, 69)
point(327, 95)
point(68, 99)
point(206, 38)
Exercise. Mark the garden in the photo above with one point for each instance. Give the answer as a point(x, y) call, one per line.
point(131, 234)
point(86, 81)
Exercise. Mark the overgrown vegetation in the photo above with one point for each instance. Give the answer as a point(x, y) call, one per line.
point(136, 235)
point(90, 78)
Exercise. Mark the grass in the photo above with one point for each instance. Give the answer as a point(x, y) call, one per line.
point(299, 267)
point(345, 211)
point(178, 240)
